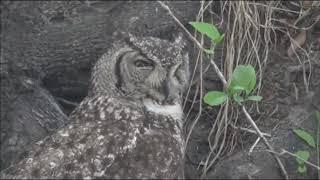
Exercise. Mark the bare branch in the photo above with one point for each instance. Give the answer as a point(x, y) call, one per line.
point(254, 145)
point(283, 151)
point(249, 130)
point(195, 41)
point(284, 172)
point(222, 78)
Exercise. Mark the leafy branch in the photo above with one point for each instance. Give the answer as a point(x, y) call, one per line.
point(242, 83)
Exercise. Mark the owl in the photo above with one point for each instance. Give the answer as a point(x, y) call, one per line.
point(129, 125)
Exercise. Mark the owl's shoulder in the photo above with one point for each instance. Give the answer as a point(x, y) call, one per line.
point(103, 107)
point(101, 126)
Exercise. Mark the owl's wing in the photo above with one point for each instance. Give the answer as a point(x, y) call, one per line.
point(101, 130)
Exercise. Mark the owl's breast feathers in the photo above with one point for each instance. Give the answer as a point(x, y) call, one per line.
point(110, 138)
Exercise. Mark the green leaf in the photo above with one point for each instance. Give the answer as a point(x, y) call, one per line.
point(214, 98)
point(238, 88)
point(238, 99)
point(218, 40)
point(208, 29)
point(302, 154)
point(209, 51)
point(233, 90)
point(255, 98)
point(245, 77)
point(302, 169)
point(305, 136)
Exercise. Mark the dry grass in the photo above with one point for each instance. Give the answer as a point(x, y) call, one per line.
point(250, 33)
point(244, 44)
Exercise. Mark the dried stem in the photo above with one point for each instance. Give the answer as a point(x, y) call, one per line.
point(283, 151)
point(180, 24)
point(249, 130)
point(265, 141)
point(223, 79)
point(254, 145)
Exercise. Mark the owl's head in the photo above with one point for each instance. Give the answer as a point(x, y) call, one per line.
point(143, 68)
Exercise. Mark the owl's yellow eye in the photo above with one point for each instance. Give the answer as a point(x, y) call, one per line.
point(143, 63)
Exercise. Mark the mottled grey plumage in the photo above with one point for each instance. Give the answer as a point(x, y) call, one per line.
point(129, 126)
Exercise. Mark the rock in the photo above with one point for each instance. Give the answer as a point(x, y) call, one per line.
point(28, 114)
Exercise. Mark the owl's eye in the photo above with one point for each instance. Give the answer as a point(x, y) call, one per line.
point(143, 63)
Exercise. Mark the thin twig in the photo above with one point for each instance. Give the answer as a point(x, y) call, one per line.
point(249, 130)
point(180, 24)
point(194, 40)
point(225, 83)
point(283, 151)
point(274, 111)
point(284, 172)
point(254, 145)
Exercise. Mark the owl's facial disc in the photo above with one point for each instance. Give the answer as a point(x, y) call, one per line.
point(153, 69)
point(144, 78)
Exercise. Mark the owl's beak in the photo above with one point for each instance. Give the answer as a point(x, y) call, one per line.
point(173, 96)
point(173, 89)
